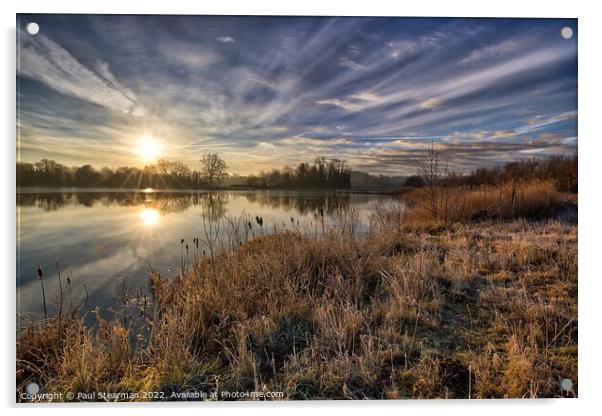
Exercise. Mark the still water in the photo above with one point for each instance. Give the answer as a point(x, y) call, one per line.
point(105, 242)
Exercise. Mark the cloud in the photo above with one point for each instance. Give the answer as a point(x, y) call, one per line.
point(548, 137)
point(491, 52)
point(42, 59)
point(401, 156)
point(500, 134)
point(350, 63)
point(353, 102)
point(539, 122)
point(266, 146)
point(186, 54)
point(365, 96)
point(384, 91)
point(354, 50)
point(431, 103)
point(404, 48)
point(401, 49)
point(306, 141)
point(479, 134)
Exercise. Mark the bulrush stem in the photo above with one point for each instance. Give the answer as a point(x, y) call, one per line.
point(182, 256)
point(41, 277)
point(58, 271)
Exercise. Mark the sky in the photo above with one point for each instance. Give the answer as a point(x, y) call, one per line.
point(265, 92)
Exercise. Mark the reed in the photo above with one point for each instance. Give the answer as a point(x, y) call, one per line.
point(534, 199)
point(41, 277)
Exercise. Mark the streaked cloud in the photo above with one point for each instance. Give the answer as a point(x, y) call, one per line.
point(349, 63)
point(376, 92)
point(499, 134)
point(405, 48)
point(44, 60)
point(492, 51)
point(353, 102)
point(431, 103)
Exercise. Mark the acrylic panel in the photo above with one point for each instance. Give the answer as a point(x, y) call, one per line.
point(295, 208)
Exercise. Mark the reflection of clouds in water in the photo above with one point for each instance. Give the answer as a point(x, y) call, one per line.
point(100, 249)
point(120, 262)
point(101, 235)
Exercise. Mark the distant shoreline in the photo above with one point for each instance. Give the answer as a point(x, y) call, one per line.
point(58, 189)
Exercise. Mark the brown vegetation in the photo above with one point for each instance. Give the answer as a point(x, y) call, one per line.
point(427, 307)
point(534, 199)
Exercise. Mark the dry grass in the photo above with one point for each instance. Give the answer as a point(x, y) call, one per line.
point(478, 310)
point(533, 199)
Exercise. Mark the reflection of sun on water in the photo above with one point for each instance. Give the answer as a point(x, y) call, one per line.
point(149, 217)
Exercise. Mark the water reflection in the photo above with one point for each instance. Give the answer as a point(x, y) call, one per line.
point(214, 203)
point(149, 217)
point(107, 240)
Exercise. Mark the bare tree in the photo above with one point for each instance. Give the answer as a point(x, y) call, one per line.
point(432, 169)
point(213, 169)
point(439, 198)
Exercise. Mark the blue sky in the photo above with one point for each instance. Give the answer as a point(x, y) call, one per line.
point(265, 92)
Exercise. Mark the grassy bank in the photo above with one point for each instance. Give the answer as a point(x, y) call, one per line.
point(422, 306)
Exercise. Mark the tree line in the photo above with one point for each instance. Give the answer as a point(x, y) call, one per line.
point(562, 170)
point(163, 174)
point(322, 174)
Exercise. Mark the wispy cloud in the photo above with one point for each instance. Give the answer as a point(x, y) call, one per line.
point(404, 48)
point(307, 141)
point(349, 63)
point(44, 60)
point(375, 92)
point(353, 102)
point(186, 54)
point(491, 51)
point(541, 121)
point(431, 103)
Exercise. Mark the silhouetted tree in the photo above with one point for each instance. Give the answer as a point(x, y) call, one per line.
point(86, 175)
point(213, 169)
point(322, 174)
point(415, 181)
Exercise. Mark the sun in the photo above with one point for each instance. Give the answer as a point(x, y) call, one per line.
point(148, 149)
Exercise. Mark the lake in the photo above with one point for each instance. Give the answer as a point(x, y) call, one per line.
point(107, 241)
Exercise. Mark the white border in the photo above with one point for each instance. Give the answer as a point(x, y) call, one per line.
point(590, 152)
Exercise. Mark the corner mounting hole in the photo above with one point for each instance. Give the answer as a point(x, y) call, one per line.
point(33, 28)
point(566, 32)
